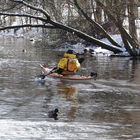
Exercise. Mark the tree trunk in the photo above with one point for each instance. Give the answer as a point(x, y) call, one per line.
point(98, 27)
point(86, 37)
point(129, 43)
point(132, 10)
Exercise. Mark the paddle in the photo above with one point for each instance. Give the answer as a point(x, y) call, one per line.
point(42, 76)
point(93, 74)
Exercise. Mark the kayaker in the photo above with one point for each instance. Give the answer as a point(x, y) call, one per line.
point(69, 64)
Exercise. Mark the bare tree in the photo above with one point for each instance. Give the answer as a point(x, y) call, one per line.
point(117, 16)
point(132, 15)
point(98, 27)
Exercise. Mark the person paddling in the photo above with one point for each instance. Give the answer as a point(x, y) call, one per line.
point(69, 64)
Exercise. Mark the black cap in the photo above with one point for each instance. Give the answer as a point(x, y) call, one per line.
point(70, 52)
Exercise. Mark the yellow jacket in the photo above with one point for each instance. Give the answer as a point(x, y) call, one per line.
point(64, 63)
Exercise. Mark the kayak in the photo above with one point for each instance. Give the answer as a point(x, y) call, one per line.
point(46, 70)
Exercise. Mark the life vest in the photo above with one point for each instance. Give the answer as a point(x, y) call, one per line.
point(69, 63)
point(73, 65)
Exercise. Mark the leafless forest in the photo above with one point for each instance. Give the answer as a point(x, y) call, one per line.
point(76, 20)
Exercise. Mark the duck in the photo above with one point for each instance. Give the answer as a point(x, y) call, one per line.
point(32, 39)
point(53, 114)
point(24, 50)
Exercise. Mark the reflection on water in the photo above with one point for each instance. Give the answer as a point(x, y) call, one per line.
point(70, 94)
point(105, 109)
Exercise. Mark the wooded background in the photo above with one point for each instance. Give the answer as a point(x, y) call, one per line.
point(76, 20)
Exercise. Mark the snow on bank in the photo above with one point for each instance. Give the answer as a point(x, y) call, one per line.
point(100, 51)
point(79, 47)
point(118, 39)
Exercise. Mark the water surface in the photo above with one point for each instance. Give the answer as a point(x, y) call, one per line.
point(105, 109)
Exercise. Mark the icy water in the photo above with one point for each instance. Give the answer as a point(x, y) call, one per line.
point(105, 109)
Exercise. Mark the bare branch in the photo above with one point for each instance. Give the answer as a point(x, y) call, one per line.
point(27, 25)
point(118, 22)
point(86, 37)
point(98, 26)
point(24, 15)
point(33, 7)
point(54, 24)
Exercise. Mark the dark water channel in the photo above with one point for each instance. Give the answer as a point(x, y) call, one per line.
point(105, 109)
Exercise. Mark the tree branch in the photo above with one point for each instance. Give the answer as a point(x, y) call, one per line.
point(86, 37)
point(98, 26)
point(24, 15)
point(58, 25)
point(123, 32)
point(27, 25)
point(33, 7)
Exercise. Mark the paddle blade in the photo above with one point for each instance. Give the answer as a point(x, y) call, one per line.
point(93, 74)
point(42, 76)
